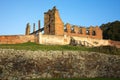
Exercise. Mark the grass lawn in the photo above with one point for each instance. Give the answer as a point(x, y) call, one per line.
point(34, 46)
point(81, 79)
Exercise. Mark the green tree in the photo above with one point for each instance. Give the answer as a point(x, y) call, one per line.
point(111, 30)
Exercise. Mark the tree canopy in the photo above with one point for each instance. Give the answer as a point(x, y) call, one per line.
point(111, 30)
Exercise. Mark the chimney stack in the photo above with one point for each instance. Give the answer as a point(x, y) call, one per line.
point(27, 29)
point(38, 24)
point(33, 27)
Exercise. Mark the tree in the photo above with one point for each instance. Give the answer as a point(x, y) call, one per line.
point(111, 30)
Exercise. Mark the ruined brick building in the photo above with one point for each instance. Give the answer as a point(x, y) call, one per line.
point(53, 25)
point(56, 32)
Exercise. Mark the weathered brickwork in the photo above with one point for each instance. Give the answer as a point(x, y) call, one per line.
point(91, 32)
point(114, 43)
point(55, 40)
point(27, 29)
point(56, 32)
point(53, 24)
point(15, 39)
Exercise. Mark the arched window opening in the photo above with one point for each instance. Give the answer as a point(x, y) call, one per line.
point(87, 32)
point(93, 33)
point(80, 31)
point(72, 30)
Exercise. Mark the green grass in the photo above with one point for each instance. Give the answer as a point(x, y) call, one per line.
point(34, 46)
point(80, 79)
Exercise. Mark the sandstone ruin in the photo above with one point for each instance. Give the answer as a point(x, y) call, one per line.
point(55, 32)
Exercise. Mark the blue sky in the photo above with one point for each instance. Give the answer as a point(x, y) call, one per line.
point(15, 14)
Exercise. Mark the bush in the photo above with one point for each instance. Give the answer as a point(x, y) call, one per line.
point(106, 49)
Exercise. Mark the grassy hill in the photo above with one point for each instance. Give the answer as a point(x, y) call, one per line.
point(34, 46)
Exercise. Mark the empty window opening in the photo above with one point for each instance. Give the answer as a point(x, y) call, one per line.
point(80, 31)
point(87, 32)
point(93, 33)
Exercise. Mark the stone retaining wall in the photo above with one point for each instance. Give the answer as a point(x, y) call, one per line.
point(21, 64)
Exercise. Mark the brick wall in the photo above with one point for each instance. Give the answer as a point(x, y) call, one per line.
point(15, 39)
point(91, 32)
point(53, 24)
point(114, 43)
point(65, 40)
point(54, 40)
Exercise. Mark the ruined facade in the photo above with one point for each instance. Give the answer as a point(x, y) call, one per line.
point(91, 32)
point(53, 24)
point(56, 32)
